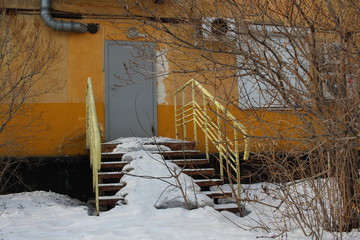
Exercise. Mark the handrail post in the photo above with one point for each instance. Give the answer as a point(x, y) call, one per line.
point(246, 148)
point(205, 128)
point(194, 112)
point(221, 161)
point(183, 121)
point(175, 117)
point(87, 119)
point(238, 179)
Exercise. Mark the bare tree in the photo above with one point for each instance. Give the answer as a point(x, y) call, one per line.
point(291, 70)
point(27, 57)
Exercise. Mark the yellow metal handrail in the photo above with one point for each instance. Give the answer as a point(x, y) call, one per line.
point(214, 120)
point(93, 140)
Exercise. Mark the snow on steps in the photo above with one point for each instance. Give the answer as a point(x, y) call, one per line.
point(180, 154)
point(172, 144)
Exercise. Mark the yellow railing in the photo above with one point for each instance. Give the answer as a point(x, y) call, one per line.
point(93, 141)
point(199, 109)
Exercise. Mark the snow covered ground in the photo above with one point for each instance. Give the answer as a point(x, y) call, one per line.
point(153, 210)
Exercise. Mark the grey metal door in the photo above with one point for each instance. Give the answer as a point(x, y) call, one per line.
point(130, 90)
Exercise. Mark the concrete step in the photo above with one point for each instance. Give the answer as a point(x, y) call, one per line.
point(231, 207)
point(108, 147)
point(113, 164)
point(111, 156)
point(109, 200)
point(199, 171)
point(104, 187)
point(190, 162)
point(181, 153)
point(208, 182)
point(110, 175)
point(218, 194)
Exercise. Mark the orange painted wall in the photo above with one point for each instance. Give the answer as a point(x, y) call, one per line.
point(59, 128)
point(54, 125)
point(59, 118)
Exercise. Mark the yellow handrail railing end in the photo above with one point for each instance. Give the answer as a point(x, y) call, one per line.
point(93, 139)
point(212, 130)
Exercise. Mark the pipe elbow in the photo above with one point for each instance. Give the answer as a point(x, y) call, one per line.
point(61, 25)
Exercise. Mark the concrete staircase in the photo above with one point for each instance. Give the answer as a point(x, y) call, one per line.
point(183, 154)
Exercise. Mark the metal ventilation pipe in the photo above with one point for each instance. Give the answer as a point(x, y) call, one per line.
point(61, 25)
